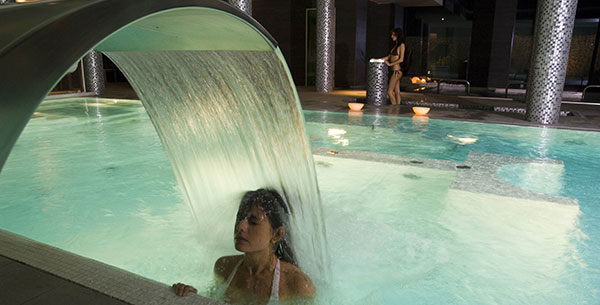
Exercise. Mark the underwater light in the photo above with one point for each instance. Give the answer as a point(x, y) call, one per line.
point(343, 142)
point(335, 132)
point(463, 140)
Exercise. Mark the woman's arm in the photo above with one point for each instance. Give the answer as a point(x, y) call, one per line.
point(222, 267)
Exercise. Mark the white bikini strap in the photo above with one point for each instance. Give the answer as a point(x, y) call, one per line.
point(230, 278)
point(275, 283)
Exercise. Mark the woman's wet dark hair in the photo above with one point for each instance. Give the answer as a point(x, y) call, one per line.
point(399, 40)
point(271, 202)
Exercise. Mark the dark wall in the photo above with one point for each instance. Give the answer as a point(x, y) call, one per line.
point(417, 39)
point(380, 22)
point(363, 29)
point(491, 42)
point(298, 40)
point(361, 44)
point(350, 39)
point(398, 16)
point(285, 21)
point(362, 32)
point(276, 17)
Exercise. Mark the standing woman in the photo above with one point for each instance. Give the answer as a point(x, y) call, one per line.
point(394, 60)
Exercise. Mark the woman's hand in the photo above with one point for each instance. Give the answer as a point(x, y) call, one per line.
point(183, 289)
point(387, 62)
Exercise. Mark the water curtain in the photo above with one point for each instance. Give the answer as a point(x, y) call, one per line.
point(230, 122)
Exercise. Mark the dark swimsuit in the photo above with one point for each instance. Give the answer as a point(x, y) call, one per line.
point(399, 70)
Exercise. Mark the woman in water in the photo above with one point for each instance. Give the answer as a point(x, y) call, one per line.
point(267, 270)
point(394, 60)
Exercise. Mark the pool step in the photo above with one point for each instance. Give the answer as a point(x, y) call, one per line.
point(483, 178)
point(478, 174)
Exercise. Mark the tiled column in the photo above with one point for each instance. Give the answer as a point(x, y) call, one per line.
point(549, 58)
point(243, 5)
point(2, 2)
point(325, 45)
point(377, 82)
point(94, 72)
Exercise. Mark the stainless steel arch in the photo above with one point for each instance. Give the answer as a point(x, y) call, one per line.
point(40, 41)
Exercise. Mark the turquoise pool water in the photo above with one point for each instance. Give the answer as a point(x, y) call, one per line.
point(578, 177)
point(90, 176)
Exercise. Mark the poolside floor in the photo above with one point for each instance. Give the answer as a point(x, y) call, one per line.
point(471, 108)
point(457, 108)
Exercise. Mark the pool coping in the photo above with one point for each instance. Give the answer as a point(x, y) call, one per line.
point(100, 277)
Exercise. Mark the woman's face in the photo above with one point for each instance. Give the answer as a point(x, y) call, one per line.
point(253, 230)
point(394, 37)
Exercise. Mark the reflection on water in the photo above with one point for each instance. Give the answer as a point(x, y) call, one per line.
point(420, 122)
point(541, 177)
point(544, 142)
point(355, 116)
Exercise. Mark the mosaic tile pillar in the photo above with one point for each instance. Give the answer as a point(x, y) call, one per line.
point(377, 82)
point(325, 45)
point(2, 2)
point(94, 72)
point(243, 5)
point(549, 58)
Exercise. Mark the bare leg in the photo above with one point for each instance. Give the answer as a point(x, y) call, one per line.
point(392, 87)
point(397, 89)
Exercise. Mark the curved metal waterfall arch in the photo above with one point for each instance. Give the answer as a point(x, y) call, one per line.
point(39, 42)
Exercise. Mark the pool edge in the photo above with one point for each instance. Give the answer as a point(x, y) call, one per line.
point(103, 278)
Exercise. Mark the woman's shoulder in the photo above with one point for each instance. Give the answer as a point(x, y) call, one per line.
point(225, 264)
point(296, 282)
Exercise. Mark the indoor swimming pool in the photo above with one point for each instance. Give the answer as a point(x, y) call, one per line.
point(417, 211)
